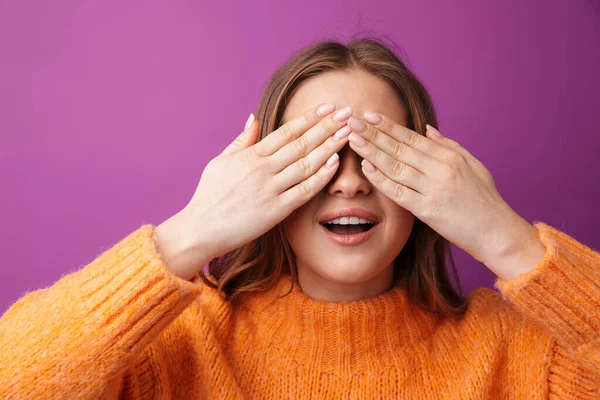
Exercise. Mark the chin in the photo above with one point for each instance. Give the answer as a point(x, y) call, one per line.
point(355, 271)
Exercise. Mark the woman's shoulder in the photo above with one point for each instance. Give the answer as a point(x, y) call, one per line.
point(493, 313)
point(204, 323)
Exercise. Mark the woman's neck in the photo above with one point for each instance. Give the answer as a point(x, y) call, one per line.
point(319, 288)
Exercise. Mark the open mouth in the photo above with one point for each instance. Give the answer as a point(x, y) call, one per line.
point(350, 229)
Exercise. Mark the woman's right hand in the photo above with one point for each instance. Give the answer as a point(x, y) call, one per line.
point(250, 187)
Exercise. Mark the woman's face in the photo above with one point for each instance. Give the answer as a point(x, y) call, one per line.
point(323, 262)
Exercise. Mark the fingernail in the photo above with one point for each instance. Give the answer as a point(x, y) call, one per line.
point(434, 131)
point(367, 166)
point(357, 125)
point(249, 122)
point(325, 109)
point(343, 114)
point(341, 133)
point(357, 140)
point(332, 160)
point(372, 118)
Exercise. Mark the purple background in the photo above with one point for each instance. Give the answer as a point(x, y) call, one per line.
point(110, 110)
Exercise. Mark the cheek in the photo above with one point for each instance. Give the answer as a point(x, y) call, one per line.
point(398, 218)
point(294, 224)
point(302, 217)
point(292, 220)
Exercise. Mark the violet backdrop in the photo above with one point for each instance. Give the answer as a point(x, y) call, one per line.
point(109, 110)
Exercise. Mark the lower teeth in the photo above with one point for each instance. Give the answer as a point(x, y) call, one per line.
point(348, 229)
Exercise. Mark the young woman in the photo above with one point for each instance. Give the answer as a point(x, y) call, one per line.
point(325, 225)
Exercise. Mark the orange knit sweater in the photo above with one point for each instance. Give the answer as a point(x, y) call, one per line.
point(538, 338)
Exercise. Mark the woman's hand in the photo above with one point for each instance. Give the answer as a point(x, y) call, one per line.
point(250, 187)
point(441, 183)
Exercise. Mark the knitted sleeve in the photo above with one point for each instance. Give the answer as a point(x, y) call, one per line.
point(562, 294)
point(69, 340)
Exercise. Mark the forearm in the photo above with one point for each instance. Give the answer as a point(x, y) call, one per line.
point(71, 338)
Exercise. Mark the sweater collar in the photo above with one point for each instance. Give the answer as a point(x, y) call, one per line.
point(357, 335)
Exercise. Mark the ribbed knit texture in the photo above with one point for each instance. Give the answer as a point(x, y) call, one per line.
point(538, 338)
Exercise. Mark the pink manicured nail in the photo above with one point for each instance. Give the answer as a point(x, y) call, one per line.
point(357, 125)
point(343, 114)
point(341, 133)
point(325, 109)
point(371, 117)
point(434, 131)
point(368, 166)
point(249, 122)
point(357, 140)
point(332, 160)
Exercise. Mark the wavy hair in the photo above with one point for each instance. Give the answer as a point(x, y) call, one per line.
point(421, 265)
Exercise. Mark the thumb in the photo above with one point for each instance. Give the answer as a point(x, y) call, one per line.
point(245, 139)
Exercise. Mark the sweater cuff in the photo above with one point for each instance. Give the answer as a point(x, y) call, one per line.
point(130, 292)
point(562, 292)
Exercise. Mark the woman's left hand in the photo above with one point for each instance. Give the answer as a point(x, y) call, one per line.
point(442, 184)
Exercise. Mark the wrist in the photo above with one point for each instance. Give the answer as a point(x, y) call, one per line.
point(520, 253)
point(183, 249)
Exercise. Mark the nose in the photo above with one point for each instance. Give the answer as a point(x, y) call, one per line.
point(349, 179)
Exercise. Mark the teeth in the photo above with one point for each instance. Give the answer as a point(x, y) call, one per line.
point(349, 221)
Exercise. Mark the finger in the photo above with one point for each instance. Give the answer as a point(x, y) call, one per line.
point(396, 170)
point(402, 195)
point(292, 130)
point(301, 193)
point(245, 139)
point(334, 125)
point(306, 166)
point(398, 150)
point(407, 136)
point(476, 165)
point(433, 133)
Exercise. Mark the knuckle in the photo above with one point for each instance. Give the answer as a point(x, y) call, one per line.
point(285, 132)
point(322, 127)
point(452, 174)
point(399, 149)
point(372, 134)
point(453, 157)
point(375, 154)
point(256, 168)
point(398, 191)
point(427, 212)
point(308, 118)
point(301, 144)
point(238, 142)
point(453, 143)
point(456, 163)
point(398, 169)
point(414, 140)
point(305, 189)
point(432, 208)
point(304, 165)
point(386, 125)
point(251, 152)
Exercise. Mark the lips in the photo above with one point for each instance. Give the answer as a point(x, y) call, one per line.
point(354, 239)
point(349, 212)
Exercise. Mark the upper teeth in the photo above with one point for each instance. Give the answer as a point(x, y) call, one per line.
point(349, 221)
